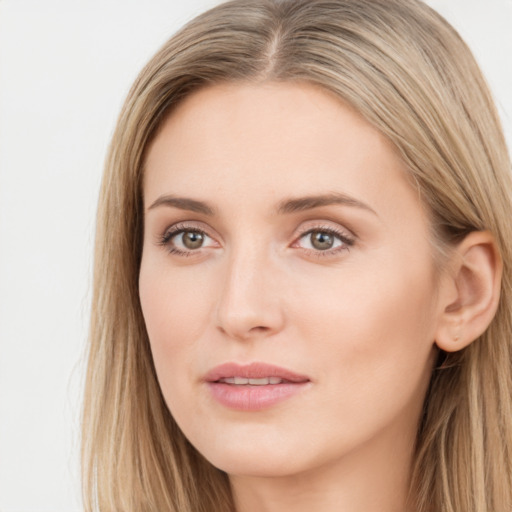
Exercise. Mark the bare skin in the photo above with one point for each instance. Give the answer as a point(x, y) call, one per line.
point(341, 289)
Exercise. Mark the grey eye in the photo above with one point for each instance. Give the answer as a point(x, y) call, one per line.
point(321, 240)
point(181, 240)
point(191, 239)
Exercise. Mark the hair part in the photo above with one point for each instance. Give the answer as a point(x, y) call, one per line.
point(408, 73)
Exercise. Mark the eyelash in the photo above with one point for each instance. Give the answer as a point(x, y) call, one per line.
point(175, 230)
point(347, 241)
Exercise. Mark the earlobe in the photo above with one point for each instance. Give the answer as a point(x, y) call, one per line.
point(472, 291)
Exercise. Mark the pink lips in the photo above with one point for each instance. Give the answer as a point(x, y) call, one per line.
point(281, 384)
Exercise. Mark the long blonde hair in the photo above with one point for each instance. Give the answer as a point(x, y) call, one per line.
point(407, 71)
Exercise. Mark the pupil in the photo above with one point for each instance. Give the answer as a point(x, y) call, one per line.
point(321, 240)
point(192, 240)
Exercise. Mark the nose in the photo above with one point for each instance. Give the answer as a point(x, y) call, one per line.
point(250, 302)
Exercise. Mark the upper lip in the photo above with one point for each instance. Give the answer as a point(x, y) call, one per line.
point(254, 370)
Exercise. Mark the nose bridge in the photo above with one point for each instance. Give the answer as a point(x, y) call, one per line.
point(248, 303)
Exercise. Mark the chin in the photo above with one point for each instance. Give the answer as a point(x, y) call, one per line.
point(262, 466)
point(259, 456)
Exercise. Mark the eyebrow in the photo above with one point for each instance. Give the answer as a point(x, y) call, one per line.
point(309, 202)
point(184, 203)
point(284, 207)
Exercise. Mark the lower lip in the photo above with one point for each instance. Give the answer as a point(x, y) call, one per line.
point(254, 398)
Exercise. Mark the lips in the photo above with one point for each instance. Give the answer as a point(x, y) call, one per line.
point(253, 387)
point(242, 381)
point(253, 371)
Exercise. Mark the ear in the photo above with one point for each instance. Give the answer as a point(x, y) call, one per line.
point(470, 293)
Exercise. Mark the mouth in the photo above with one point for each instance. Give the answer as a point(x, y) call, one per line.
point(256, 374)
point(253, 387)
point(242, 381)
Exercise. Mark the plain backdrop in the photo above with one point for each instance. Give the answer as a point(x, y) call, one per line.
point(65, 68)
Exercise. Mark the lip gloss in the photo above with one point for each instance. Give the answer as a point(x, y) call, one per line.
point(230, 385)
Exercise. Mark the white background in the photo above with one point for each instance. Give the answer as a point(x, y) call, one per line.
point(65, 68)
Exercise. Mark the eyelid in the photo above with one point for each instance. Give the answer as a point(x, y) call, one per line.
point(326, 225)
point(346, 237)
point(180, 227)
point(188, 225)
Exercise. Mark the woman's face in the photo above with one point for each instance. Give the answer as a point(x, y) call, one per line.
point(283, 244)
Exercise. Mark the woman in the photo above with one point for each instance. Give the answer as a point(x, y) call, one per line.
point(302, 284)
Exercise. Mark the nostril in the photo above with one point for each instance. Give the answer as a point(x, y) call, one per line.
point(239, 332)
point(260, 328)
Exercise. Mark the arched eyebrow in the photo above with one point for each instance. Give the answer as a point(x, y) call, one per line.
point(184, 203)
point(316, 201)
point(286, 206)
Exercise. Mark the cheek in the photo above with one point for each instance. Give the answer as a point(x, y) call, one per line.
point(176, 315)
point(175, 302)
point(371, 332)
point(376, 301)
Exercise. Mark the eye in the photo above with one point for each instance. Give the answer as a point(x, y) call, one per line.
point(326, 240)
point(189, 239)
point(321, 240)
point(184, 240)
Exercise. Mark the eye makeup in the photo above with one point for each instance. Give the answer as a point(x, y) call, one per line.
point(184, 239)
point(316, 239)
point(324, 241)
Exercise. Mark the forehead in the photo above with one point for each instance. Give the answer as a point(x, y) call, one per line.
point(262, 142)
